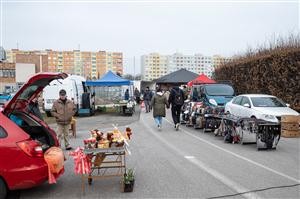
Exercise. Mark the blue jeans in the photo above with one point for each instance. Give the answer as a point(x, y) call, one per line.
point(158, 120)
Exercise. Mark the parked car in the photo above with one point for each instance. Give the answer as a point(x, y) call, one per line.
point(24, 138)
point(75, 88)
point(4, 98)
point(259, 106)
point(213, 94)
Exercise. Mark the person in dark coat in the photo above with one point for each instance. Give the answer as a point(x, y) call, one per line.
point(127, 94)
point(147, 99)
point(159, 103)
point(137, 95)
point(195, 95)
point(176, 99)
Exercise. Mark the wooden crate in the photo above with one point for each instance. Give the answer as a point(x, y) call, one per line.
point(289, 126)
point(290, 118)
point(290, 134)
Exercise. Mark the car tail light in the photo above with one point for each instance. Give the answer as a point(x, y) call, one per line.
point(31, 148)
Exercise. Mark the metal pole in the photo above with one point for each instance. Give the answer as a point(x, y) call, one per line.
point(133, 68)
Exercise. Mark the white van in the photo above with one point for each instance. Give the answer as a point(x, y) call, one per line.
point(74, 86)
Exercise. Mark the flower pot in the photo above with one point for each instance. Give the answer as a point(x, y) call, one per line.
point(129, 187)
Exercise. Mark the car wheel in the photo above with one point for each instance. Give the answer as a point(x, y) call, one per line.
point(3, 189)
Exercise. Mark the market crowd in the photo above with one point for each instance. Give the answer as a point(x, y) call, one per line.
point(160, 100)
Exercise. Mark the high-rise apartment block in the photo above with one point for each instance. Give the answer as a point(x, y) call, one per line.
point(156, 65)
point(91, 65)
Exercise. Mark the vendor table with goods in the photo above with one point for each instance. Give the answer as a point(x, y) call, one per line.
point(103, 155)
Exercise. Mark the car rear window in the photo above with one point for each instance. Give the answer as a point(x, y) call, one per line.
point(3, 133)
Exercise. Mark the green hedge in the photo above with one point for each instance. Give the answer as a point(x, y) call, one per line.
point(276, 72)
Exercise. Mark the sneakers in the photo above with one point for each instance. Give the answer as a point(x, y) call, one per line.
point(159, 127)
point(69, 148)
point(177, 126)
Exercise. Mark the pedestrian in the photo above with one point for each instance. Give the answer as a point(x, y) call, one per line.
point(147, 99)
point(127, 94)
point(63, 110)
point(195, 95)
point(34, 109)
point(159, 103)
point(176, 99)
point(137, 96)
point(185, 92)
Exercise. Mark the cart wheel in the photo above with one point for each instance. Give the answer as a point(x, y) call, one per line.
point(90, 180)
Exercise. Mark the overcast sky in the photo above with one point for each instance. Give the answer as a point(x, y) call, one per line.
point(137, 28)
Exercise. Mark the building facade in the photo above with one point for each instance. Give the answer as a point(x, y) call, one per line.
point(91, 65)
point(156, 65)
point(218, 60)
point(7, 75)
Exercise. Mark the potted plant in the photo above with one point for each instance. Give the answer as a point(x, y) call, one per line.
point(128, 180)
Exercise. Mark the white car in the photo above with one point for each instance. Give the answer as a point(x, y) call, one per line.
point(265, 107)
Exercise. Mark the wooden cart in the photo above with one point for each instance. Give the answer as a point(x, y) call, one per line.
point(106, 163)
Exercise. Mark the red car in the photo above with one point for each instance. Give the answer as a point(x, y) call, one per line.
point(24, 138)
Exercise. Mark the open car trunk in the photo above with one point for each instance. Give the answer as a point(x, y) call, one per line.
point(34, 129)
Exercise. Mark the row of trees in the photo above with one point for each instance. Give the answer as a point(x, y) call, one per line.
point(270, 69)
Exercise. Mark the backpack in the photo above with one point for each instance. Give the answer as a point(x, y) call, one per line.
point(178, 98)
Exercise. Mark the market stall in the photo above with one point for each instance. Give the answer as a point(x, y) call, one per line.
point(110, 91)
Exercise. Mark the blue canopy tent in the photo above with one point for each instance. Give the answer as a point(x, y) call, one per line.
point(110, 90)
point(109, 79)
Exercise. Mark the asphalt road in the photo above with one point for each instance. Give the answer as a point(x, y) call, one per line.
point(183, 164)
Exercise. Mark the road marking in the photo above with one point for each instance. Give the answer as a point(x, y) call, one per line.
point(239, 156)
point(229, 183)
point(189, 157)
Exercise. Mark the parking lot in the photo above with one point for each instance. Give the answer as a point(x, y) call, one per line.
point(183, 164)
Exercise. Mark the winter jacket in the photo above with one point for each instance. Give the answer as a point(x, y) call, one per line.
point(159, 103)
point(173, 94)
point(63, 112)
point(148, 95)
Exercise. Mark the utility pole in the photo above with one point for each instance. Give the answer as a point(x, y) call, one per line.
point(133, 67)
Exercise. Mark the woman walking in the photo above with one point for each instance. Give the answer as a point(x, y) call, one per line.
point(159, 103)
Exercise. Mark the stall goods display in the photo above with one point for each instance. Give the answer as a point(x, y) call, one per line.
point(113, 138)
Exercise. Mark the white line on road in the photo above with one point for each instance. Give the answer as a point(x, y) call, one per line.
point(189, 157)
point(231, 184)
point(239, 156)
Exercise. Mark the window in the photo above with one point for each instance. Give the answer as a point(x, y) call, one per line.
point(3, 133)
point(245, 100)
point(267, 102)
point(237, 100)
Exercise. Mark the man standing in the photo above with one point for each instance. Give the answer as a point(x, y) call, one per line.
point(137, 95)
point(147, 99)
point(63, 109)
point(176, 98)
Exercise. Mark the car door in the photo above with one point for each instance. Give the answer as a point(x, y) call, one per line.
point(245, 111)
point(235, 106)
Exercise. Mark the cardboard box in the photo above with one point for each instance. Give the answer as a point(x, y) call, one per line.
point(290, 134)
point(290, 118)
point(290, 126)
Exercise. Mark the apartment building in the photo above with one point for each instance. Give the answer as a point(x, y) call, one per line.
point(156, 65)
point(91, 65)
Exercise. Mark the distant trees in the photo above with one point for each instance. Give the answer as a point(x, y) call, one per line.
point(132, 77)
